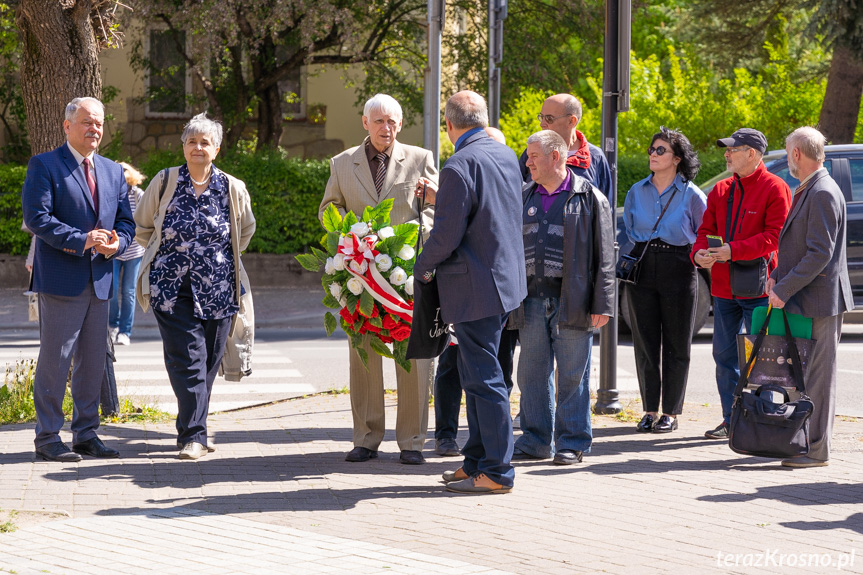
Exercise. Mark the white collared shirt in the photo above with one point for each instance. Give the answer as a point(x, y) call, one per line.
point(80, 159)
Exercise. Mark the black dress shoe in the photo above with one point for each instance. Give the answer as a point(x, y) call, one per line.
point(95, 448)
point(665, 425)
point(568, 457)
point(519, 455)
point(358, 454)
point(646, 424)
point(411, 457)
point(57, 451)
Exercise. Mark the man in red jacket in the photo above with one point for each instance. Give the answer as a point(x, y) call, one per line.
point(747, 212)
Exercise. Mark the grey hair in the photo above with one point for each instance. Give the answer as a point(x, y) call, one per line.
point(73, 106)
point(571, 105)
point(201, 125)
point(467, 110)
point(549, 141)
point(809, 141)
point(384, 104)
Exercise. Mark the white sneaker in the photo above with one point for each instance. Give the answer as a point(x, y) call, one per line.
point(123, 339)
point(113, 333)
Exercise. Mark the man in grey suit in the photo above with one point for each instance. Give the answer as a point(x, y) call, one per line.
point(380, 168)
point(812, 278)
point(476, 251)
point(75, 203)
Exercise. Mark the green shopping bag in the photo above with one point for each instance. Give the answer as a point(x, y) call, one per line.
point(801, 327)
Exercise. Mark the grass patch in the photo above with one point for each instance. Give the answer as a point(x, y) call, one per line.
point(131, 413)
point(9, 526)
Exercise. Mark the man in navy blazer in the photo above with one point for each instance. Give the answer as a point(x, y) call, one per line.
point(811, 279)
point(75, 203)
point(476, 251)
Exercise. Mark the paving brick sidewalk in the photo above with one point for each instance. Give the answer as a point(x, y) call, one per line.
point(278, 497)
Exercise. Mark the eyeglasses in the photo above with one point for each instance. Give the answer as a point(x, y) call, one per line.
point(549, 118)
point(740, 149)
point(658, 150)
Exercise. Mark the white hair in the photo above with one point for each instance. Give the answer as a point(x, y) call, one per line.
point(809, 141)
point(383, 104)
point(201, 125)
point(73, 106)
point(549, 141)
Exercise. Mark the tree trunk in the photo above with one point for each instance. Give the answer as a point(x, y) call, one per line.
point(60, 63)
point(269, 118)
point(841, 106)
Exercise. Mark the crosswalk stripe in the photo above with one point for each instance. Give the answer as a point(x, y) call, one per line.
point(221, 389)
point(122, 374)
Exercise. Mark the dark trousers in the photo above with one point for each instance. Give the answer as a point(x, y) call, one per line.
point(193, 352)
point(447, 383)
point(662, 310)
point(489, 446)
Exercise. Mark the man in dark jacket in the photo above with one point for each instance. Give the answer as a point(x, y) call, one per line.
point(569, 259)
point(476, 249)
point(812, 278)
point(749, 229)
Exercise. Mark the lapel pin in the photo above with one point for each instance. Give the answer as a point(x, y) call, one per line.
point(531, 211)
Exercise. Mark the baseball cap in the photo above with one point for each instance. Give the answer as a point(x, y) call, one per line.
point(745, 137)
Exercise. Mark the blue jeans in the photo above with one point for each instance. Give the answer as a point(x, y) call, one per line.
point(122, 312)
point(729, 315)
point(541, 343)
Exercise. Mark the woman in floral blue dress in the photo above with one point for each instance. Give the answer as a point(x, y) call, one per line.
point(194, 220)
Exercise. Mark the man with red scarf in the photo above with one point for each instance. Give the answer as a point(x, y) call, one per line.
point(561, 113)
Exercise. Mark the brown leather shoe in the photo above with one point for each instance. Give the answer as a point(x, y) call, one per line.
point(456, 475)
point(479, 485)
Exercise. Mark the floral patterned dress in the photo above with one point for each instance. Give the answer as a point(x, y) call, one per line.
point(196, 241)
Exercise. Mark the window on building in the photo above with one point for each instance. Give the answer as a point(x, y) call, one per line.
point(168, 81)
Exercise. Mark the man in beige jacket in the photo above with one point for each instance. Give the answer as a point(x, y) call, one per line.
point(361, 176)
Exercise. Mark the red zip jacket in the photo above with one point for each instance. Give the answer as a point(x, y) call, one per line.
point(766, 203)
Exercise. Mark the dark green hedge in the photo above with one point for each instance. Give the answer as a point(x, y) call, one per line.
point(633, 168)
point(12, 239)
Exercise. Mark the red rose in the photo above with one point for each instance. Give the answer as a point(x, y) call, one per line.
point(385, 338)
point(372, 328)
point(390, 322)
point(375, 312)
point(347, 316)
point(401, 332)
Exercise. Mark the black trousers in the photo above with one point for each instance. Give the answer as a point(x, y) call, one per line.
point(447, 383)
point(662, 312)
point(193, 352)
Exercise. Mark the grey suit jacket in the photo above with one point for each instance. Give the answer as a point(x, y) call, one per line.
point(352, 188)
point(812, 274)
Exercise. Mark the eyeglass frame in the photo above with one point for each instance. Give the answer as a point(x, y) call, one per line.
point(743, 148)
point(546, 117)
point(659, 150)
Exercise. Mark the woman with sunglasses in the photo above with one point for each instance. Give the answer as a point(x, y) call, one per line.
point(662, 213)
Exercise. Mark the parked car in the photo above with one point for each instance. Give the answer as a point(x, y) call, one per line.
point(845, 164)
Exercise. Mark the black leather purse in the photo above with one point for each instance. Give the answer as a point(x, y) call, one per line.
point(627, 268)
point(759, 425)
point(748, 278)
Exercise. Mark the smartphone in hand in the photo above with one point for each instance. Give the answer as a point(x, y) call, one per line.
point(714, 241)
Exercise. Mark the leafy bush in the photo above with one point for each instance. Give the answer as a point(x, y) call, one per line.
point(12, 239)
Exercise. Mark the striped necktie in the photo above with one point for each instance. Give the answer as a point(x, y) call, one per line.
point(382, 172)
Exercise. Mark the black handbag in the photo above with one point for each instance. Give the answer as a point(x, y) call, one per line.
point(759, 425)
point(748, 278)
point(429, 334)
point(628, 268)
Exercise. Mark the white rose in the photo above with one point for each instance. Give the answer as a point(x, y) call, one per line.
point(409, 285)
point(355, 286)
point(360, 229)
point(335, 290)
point(339, 262)
point(406, 253)
point(386, 232)
point(398, 276)
point(343, 302)
point(384, 262)
point(330, 266)
point(361, 267)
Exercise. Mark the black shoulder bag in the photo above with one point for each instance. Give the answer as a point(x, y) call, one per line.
point(429, 334)
point(762, 427)
point(748, 278)
point(627, 269)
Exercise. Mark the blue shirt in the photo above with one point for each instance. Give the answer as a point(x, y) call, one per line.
point(196, 240)
point(464, 137)
point(679, 225)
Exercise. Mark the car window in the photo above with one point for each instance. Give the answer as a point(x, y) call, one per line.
point(794, 182)
point(856, 166)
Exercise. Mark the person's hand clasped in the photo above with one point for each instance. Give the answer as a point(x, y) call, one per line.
point(705, 259)
point(720, 254)
point(431, 190)
point(109, 245)
point(97, 237)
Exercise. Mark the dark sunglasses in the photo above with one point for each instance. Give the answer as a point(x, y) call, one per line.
point(659, 150)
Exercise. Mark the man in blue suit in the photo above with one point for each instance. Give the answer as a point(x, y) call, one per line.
point(75, 203)
point(476, 251)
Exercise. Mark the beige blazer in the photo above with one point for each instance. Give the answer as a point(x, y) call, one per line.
point(352, 188)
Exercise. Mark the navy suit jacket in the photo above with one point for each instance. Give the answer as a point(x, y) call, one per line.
point(58, 209)
point(476, 243)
